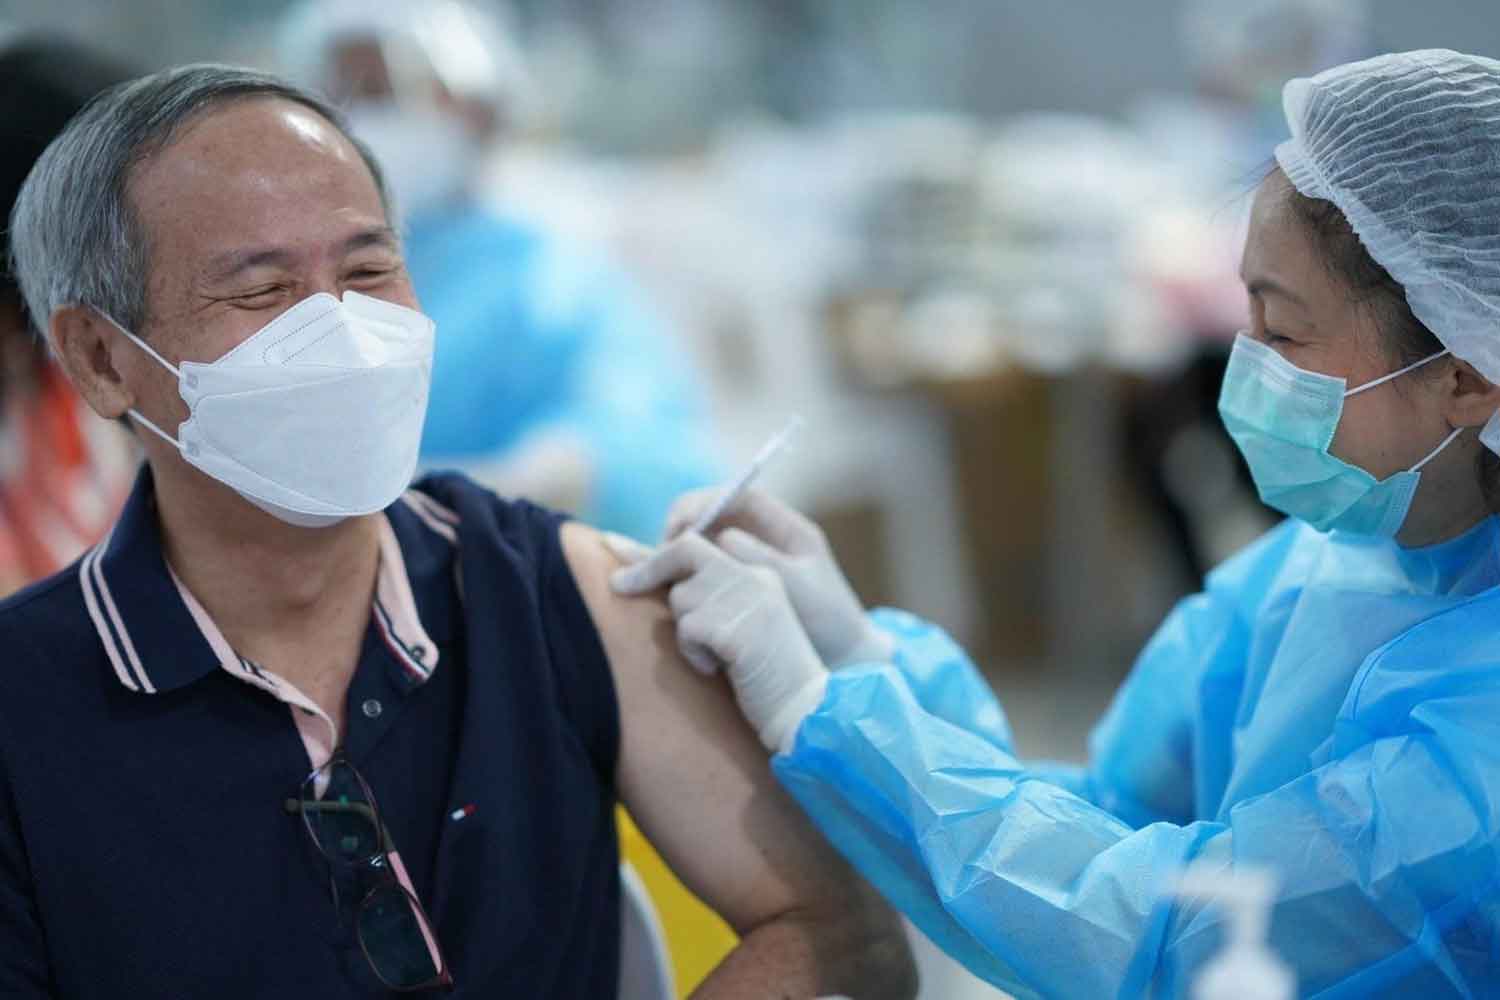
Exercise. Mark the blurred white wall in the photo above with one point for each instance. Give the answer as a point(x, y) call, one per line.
point(988, 57)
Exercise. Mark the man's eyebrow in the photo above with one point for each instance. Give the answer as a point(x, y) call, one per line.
point(232, 263)
point(229, 265)
point(375, 236)
point(1260, 286)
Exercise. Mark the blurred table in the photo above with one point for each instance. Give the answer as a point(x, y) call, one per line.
point(1067, 564)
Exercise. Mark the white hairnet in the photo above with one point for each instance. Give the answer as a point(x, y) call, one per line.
point(472, 51)
point(1407, 146)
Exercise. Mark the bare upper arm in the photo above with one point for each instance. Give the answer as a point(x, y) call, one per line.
point(693, 774)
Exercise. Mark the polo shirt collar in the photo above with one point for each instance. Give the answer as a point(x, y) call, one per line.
point(157, 638)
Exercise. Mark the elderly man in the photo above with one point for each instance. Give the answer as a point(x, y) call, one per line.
point(197, 720)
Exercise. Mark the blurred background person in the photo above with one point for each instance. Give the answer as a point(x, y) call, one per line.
point(63, 473)
point(554, 379)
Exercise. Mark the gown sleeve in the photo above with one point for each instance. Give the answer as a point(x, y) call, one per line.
point(1385, 853)
point(946, 683)
point(1143, 753)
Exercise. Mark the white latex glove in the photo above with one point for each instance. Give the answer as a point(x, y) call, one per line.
point(736, 614)
point(763, 531)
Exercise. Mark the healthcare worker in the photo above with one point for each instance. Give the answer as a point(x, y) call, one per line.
point(1328, 707)
point(553, 378)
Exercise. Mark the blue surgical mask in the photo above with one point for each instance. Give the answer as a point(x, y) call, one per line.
point(1283, 420)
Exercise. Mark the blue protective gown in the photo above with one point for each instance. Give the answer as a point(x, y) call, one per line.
point(1329, 707)
point(535, 336)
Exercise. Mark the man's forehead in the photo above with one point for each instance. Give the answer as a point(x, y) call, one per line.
point(257, 128)
point(261, 171)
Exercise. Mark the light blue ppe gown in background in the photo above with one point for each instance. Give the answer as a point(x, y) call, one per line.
point(534, 336)
point(1329, 707)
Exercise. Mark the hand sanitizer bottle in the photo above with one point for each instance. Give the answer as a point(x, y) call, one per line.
point(1245, 968)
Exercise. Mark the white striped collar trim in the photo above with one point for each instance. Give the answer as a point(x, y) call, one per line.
point(394, 612)
point(106, 617)
point(433, 514)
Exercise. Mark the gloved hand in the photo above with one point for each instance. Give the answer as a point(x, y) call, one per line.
point(763, 531)
point(732, 613)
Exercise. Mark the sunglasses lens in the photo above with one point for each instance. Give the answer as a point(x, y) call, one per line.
point(396, 940)
point(339, 811)
point(341, 821)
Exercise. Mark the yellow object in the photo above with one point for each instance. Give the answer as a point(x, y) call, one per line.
point(697, 939)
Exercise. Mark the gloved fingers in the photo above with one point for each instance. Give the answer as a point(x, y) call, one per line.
point(723, 589)
point(732, 589)
point(699, 657)
point(774, 522)
point(739, 622)
point(670, 563)
point(686, 508)
point(717, 628)
point(627, 550)
point(756, 512)
point(741, 616)
point(697, 631)
point(748, 549)
point(688, 595)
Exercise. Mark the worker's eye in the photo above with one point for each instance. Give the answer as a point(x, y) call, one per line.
point(1277, 340)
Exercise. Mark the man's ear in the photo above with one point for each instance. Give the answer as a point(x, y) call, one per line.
point(85, 343)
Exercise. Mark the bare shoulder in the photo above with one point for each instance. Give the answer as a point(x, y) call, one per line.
point(629, 629)
point(697, 782)
point(687, 758)
point(692, 773)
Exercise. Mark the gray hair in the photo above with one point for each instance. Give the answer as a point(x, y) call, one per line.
point(75, 238)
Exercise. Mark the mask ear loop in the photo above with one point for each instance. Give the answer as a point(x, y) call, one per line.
point(1397, 374)
point(1382, 380)
point(1438, 450)
point(135, 414)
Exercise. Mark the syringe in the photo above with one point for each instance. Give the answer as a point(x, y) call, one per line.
point(736, 490)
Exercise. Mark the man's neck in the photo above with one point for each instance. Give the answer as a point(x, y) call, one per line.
point(269, 586)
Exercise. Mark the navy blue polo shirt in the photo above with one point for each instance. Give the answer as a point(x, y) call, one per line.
point(144, 847)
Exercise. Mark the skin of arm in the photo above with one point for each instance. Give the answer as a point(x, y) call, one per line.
point(696, 780)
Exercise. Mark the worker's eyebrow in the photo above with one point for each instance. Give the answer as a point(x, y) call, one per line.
point(1265, 286)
